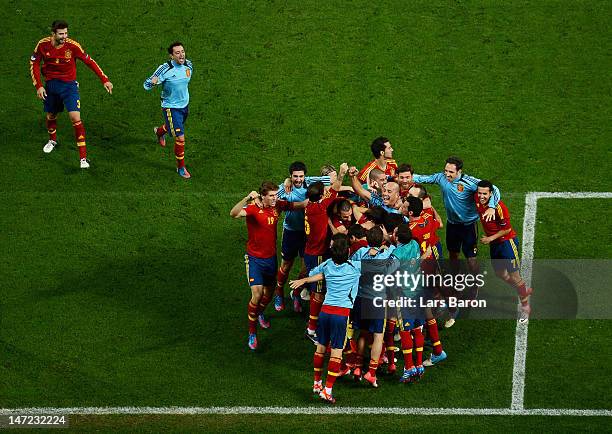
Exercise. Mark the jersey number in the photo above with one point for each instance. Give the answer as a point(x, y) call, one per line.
point(270, 220)
point(78, 103)
point(306, 226)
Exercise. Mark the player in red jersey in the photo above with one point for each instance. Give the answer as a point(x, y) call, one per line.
point(317, 243)
point(423, 230)
point(404, 178)
point(383, 159)
point(419, 190)
point(343, 217)
point(261, 210)
point(503, 244)
point(58, 55)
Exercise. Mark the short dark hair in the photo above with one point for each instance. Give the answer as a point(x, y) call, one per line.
point(297, 166)
point(415, 205)
point(405, 168)
point(58, 24)
point(486, 184)
point(315, 191)
point(375, 237)
point(391, 221)
point(378, 146)
point(344, 205)
point(174, 44)
point(356, 231)
point(339, 248)
point(458, 162)
point(375, 214)
point(404, 234)
point(266, 187)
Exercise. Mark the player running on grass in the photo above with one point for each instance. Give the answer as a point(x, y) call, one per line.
point(261, 210)
point(173, 76)
point(503, 244)
point(342, 280)
point(58, 55)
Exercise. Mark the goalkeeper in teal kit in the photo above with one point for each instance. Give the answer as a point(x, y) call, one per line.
point(174, 77)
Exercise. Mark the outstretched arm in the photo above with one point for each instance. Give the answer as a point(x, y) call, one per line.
point(436, 178)
point(294, 284)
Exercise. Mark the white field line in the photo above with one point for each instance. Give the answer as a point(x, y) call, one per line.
point(318, 410)
point(518, 377)
point(522, 329)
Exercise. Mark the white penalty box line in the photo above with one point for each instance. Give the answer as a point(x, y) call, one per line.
point(518, 374)
point(522, 329)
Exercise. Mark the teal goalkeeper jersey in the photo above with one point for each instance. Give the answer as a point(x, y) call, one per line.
point(458, 196)
point(174, 80)
point(342, 282)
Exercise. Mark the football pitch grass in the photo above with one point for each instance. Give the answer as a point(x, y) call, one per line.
point(124, 285)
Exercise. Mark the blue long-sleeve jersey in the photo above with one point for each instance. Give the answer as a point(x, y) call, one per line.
point(294, 219)
point(174, 79)
point(342, 282)
point(458, 196)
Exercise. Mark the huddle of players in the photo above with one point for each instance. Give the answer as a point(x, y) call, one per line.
point(383, 223)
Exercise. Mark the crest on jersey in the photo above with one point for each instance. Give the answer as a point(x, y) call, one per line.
point(188, 72)
point(68, 54)
point(460, 187)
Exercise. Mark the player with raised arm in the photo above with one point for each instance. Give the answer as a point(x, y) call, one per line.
point(315, 226)
point(294, 238)
point(342, 279)
point(383, 159)
point(389, 200)
point(261, 210)
point(58, 55)
point(503, 244)
point(173, 76)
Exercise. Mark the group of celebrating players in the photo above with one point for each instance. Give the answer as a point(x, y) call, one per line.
point(382, 223)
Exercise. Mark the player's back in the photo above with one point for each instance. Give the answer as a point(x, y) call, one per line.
point(342, 282)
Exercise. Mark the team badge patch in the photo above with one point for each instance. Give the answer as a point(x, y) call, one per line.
point(68, 54)
point(188, 72)
point(460, 187)
point(33, 58)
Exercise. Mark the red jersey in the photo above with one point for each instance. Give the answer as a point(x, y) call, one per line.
point(404, 192)
point(356, 246)
point(261, 228)
point(501, 221)
point(59, 63)
point(315, 224)
point(337, 221)
point(428, 214)
point(390, 170)
point(424, 231)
